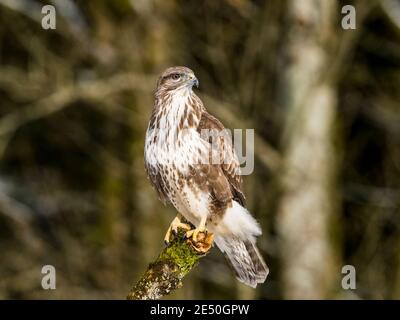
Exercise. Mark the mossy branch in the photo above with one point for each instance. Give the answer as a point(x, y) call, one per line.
point(166, 273)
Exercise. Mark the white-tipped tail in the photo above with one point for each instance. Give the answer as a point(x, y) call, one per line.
point(235, 237)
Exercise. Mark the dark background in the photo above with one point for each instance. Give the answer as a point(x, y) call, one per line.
point(323, 101)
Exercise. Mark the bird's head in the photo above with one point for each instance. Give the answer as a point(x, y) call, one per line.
point(177, 78)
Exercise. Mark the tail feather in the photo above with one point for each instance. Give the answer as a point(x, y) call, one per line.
point(245, 259)
point(236, 236)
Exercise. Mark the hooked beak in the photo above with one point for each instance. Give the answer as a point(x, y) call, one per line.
point(193, 80)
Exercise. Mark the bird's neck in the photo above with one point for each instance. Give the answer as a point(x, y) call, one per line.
point(179, 109)
point(174, 115)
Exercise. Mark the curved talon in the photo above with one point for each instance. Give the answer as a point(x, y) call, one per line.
point(199, 238)
point(201, 241)
point(173, 228)
point(194, 233)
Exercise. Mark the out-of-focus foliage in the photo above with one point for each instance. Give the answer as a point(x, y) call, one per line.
point(74, 106)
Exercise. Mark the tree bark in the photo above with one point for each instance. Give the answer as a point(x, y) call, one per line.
point(308, 203)
point(166, 273)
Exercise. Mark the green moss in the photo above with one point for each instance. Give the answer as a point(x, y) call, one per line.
point(166, 273)
point(180, 254)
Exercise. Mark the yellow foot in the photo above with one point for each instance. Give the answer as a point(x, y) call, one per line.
point(200, 239)
point(173, 228)
point(194, 233)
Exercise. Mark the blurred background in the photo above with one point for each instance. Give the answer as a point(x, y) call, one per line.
point(324, 103)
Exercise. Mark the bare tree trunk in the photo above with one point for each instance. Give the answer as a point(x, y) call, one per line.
point(309, 169)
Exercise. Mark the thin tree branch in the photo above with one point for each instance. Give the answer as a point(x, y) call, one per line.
point(63, 98)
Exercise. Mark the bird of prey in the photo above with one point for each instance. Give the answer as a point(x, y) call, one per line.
point(181, 164)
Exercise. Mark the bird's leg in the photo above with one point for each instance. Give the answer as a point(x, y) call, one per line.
point(195, 232)
point(173, 228)
point(200, 239)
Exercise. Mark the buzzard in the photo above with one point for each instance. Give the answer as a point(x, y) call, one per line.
point(199, 174)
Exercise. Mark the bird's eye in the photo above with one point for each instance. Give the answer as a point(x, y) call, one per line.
point(175, 76)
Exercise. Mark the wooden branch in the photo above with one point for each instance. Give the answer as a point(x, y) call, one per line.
point(166, 273)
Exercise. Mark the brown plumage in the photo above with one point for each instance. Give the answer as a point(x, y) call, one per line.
point(191, 162)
